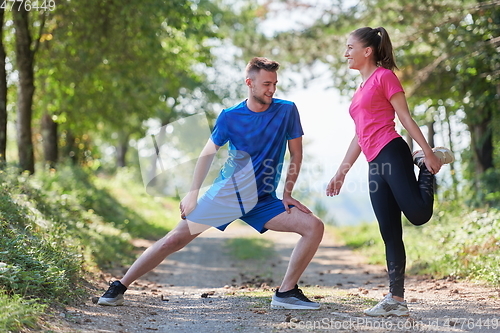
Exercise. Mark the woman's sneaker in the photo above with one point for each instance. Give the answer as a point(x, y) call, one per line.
point(388, 307)
point(444, 154)
point(293, 300)
point(114, 295)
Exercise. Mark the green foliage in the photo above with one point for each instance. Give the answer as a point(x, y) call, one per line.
point(364, 238)
point(58, 227)
point(106, 67)
point(486, 193)
point(457, 242)
point(36, 258)
point(244, 248)
point(460, 243)
point(18, 313)
point(449, 60)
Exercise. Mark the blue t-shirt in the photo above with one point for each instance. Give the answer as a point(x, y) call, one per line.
point(260, 136)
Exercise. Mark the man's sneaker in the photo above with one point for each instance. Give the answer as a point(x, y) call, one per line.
point(114, 295)
point(444, 154)
point(293, 300)
point(388, 307)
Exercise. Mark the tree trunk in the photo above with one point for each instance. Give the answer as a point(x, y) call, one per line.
point(26, 88)
point(482, 145)
point(121, 150)
point(430, 133)
point(70, 149)
point(49, 135)
point(3, 95)
point(452, 148)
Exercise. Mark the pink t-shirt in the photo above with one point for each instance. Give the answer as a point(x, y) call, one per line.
point(372, 112)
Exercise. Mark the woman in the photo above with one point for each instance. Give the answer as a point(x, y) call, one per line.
point(392, 183)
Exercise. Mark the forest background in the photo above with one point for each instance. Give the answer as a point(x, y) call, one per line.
point(83, 82)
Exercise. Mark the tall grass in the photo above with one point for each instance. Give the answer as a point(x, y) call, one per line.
point(18, 313)
point(458, 241)
point(57, 228)
point(37, 260)
point(243, 248)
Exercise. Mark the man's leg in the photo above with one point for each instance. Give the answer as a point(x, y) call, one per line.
point(172, 242)
point(311, 228)
point(175, 240)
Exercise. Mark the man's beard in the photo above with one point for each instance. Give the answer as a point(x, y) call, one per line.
point(260, 100)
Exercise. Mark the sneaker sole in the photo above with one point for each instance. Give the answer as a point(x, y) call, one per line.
point(395, 314)
point(287, 306)
point(444, 155)
point(103, 301)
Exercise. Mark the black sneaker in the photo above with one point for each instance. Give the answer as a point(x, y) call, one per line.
point(293, 300)
point(114, 295)
point(418, 158)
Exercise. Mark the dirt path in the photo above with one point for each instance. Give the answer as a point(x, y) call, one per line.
point(201, 289)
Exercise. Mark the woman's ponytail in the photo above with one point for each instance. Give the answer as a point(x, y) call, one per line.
point(378, 39)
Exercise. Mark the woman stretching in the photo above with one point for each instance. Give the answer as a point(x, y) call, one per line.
point(392, 183)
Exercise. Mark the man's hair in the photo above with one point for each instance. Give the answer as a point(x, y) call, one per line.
point(258, 63)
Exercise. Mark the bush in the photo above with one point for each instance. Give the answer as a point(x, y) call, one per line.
point(465, 245)
point(458, 241)
point(18, 313)
point(57, 228)
point(33, 263)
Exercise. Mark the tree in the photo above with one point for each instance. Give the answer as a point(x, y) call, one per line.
point(109, 66)
point(447, 51)
point(26, 88)
point(3, 92)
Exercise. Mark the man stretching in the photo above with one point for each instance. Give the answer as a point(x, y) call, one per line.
point(257, 130)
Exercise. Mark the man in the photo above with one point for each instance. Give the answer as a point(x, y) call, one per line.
point(258, 130)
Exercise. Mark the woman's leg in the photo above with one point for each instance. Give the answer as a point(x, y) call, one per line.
point(388, 215)
point(415, 197)
point(394, 188)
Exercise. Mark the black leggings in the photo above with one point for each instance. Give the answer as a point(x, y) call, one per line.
point(394, 189)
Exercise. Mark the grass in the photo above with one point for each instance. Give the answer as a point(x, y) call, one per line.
point(18, 313)
point(146, 216)
point(461, 243)
point(37, 259)
point(458, 241)
point(253, 259)
point(364, 238)
point(61, 228)
point(245, 248)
